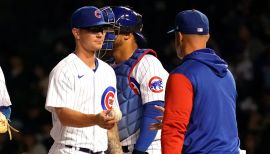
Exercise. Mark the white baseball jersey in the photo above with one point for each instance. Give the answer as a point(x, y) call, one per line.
point(148, 71)
point(4, 97)
point(73, 85)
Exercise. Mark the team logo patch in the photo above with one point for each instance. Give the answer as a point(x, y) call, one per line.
point(155, 84)
point(134, 85)
point(98, 14)
point(107, 98)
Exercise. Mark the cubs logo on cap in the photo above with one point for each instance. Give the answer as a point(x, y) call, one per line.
point(98, 13)
point(107, 98)
point(155, 84)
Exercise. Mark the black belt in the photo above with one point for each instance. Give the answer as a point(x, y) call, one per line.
point(125, 149)
point(83, 149)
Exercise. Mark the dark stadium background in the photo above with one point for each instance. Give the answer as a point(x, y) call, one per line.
point(35, 36)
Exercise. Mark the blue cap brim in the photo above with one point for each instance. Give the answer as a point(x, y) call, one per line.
point(99, 24)
point(105, 24)
point(139, 34)
point(140, 37)
point(171, 31)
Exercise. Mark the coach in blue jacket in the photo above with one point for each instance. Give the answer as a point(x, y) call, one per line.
point(200, 99)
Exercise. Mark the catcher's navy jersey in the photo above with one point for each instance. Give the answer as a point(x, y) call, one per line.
point(200, 107)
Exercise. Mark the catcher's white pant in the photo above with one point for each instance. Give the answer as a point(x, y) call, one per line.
point(154, 148)
point(62, 149)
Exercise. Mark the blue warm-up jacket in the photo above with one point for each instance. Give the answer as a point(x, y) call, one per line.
point(200, 102)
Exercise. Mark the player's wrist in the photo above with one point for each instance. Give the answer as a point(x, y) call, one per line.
point(96, 119)
point(92, 119)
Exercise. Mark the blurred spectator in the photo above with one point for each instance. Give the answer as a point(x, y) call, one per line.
point(32, 145)
point(17, 82)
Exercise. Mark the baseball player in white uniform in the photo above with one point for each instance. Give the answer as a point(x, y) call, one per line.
point(141, 81)
point(4, 97)
point(82, 90)
point(5, 109)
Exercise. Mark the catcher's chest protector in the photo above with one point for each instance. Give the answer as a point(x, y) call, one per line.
point(129, 99)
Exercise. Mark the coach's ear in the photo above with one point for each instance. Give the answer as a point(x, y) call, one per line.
point(178, 36)
point(76, 33)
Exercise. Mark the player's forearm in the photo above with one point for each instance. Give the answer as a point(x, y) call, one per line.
point(146, 136)
point(114, 146)
point(72, 118)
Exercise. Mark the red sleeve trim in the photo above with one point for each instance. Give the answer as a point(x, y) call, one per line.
point(178, 107)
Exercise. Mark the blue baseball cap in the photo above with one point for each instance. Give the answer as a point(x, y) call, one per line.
point(191, 22)
point(87, 16)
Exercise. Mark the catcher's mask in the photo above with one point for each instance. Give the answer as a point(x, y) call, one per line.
point(124, 21)
point(111, 32)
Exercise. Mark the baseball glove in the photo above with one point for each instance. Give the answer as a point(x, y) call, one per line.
point(4, 126)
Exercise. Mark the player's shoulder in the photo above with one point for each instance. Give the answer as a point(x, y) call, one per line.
point(104, 66)
point(149, 64)
point(64, 65)
point(149, 61)
point(150, 57)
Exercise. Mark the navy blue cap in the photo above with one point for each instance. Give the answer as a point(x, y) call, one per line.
point(191, 22)
point(87, 16)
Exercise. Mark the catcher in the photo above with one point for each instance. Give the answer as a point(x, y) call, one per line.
point(5, 109)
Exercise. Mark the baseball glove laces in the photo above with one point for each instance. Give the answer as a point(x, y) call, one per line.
point(5, 126)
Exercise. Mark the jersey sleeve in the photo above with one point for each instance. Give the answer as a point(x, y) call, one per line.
point(60, 90)
point(178, 107)
point(4, 97)
point(152, 78)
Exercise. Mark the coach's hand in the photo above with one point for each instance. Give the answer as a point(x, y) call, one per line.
point(105, 121)
point(157, 126)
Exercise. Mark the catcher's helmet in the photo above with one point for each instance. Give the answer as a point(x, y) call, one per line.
point(127, 19)
point(124, 20)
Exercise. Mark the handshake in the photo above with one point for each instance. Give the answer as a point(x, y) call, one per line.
point(108, 118)
point(115, 113)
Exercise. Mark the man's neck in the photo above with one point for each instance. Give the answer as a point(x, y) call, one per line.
point(87, 57)
point(124, 52)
